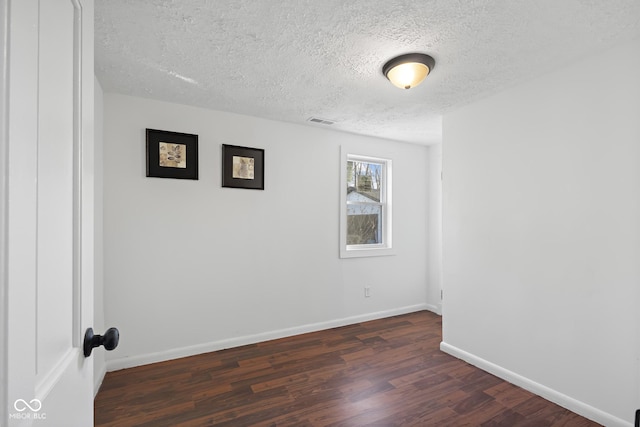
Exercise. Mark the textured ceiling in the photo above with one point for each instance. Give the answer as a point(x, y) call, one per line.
point(290, 60)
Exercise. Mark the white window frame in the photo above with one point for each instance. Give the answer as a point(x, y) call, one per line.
point(367, 250)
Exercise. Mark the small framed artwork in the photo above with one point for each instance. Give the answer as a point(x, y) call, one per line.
point(242, 167)
point(172, 154)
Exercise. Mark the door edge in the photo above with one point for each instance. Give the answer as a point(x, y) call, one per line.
point(4, 166)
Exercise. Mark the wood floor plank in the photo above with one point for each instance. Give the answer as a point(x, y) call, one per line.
point(387, 372)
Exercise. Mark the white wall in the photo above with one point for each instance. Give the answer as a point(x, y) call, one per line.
point(542, 235)
point(99, 365)
point(192, 267)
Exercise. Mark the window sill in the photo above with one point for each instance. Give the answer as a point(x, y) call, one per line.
point(366, 252)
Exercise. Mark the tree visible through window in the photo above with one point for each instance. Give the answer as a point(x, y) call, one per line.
point(364, 203)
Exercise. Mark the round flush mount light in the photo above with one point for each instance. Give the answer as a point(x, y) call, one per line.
point(407, 71)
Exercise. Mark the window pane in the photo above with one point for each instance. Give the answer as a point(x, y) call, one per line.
point(364, 180)
point(364, 224)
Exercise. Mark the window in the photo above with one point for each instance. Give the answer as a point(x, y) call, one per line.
point(365, 224)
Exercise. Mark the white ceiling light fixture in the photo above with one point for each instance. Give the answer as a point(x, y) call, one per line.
point(407, 71)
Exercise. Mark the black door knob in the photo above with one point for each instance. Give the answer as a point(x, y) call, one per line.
point(109, 340)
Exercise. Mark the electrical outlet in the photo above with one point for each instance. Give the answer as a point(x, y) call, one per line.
point(367, 291)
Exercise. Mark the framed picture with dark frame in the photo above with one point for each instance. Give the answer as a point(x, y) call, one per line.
point(242, 167)
point(172, 154)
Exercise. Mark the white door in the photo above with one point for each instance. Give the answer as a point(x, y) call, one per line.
point(47, 212)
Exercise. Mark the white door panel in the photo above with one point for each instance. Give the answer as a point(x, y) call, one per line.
point(49, 217)
point(55, 186)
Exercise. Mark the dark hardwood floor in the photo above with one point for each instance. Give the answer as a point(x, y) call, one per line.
point(387, 372)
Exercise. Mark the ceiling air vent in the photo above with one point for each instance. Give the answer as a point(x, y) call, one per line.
point(321, 121)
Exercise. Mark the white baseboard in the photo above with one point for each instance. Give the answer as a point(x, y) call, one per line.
point(176, 353)
point(434, 309)
point(98, 377)
point(554, 396)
